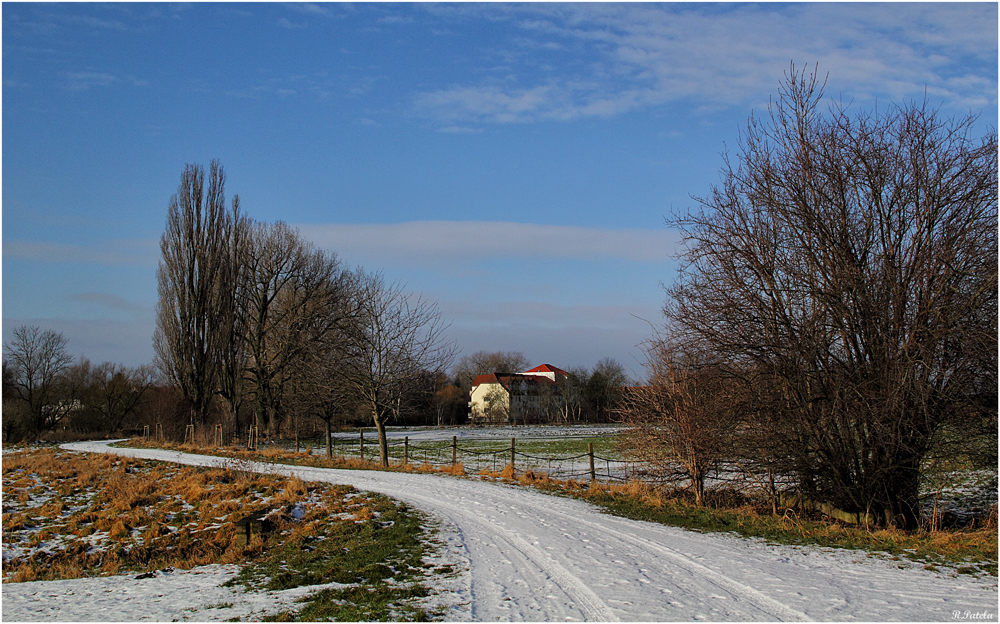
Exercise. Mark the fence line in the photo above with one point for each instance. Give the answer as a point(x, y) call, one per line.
point(475, 458)
point(440, 453)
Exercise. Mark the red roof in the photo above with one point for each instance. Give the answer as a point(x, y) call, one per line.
point(505, 379)
point(481, 379)
point(547, 368)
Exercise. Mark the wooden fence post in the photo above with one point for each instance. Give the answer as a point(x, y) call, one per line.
point(406, 450)
point(362, 438)
point(590, 453)
point(454, 450)
point(512, 453)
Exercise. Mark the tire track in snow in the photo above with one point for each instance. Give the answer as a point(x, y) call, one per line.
point(583, 597)
point(756, 598)
point(546, 567)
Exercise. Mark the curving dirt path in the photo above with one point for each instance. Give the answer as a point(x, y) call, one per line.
point(536, 557)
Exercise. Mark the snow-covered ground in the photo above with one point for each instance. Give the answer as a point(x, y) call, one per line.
point(195, 595)
point(535, 557)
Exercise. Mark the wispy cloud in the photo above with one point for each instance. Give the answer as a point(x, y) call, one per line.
point(640, 55)
point(120, 252)
point(110, 302)
point(436, 242)
point(550, 333)
point(284, 22)
point(121, 341)
point(81, 81)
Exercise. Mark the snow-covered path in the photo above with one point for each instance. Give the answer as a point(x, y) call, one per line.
point(537, 557)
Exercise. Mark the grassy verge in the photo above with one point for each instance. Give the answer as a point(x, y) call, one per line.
point(69, 515)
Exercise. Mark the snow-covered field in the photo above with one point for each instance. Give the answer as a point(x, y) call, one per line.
point(536, 557)
point(503, 432)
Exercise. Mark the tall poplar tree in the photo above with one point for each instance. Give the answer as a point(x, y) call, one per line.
point(196, 294)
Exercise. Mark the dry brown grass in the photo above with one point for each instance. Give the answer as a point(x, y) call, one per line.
point(457, 469)
point(125, 514)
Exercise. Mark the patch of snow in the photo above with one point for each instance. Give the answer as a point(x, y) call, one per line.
point(184, 595)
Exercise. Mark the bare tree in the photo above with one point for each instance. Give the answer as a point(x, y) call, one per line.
point(851, 261)
point(33, 363)
point(604, 387)
point(294, 298)
point(233, 318)
point(118, 392)
point(326, 392)
point(449, 402)
point(681, 423)
point(397, 339)
point(195, 292)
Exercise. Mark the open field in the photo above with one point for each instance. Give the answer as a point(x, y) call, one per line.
point(953, 492)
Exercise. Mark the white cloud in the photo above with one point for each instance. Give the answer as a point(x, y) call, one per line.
point(634, 56)
point(284, 22)
point(436, 242)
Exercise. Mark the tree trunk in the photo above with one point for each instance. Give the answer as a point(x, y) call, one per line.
point(329, 446)
point(698, 485)
point(383, 443)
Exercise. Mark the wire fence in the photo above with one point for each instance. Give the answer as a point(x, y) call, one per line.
point(488, 454)
point(479, 455)
point(493, 454)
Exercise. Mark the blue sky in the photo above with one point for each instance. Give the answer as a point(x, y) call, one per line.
point(513, 162)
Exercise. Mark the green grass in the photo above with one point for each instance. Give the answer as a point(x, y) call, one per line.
point(361, 603)
point(379, 560)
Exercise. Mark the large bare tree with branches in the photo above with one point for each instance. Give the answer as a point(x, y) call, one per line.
point(293, 302)
point(851, 261)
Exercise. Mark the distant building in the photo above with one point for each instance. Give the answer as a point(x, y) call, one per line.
point(532, 396)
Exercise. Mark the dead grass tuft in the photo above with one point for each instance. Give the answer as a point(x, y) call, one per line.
point(457, 469)
point(293, 491)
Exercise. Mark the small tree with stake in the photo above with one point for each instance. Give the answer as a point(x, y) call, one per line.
point(396, 339)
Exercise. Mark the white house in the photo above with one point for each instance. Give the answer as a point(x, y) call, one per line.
point(516, 397)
